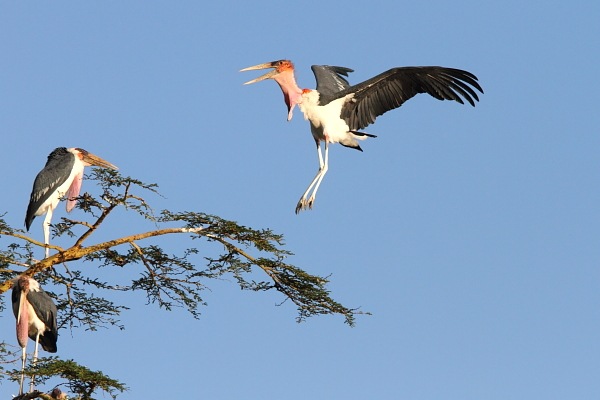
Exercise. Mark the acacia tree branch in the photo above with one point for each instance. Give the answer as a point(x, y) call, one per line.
point(281, 286)
point(32, 241)
point(141, 236)
point(75, 253)
point(151, 273)
point(9, 261)
point(33, 395)
point(96, 224)
point(78, 222)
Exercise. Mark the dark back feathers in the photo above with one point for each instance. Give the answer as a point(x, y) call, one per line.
point(55, 173)
point(46, 311)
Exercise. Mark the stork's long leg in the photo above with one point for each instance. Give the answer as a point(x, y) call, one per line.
point(324, 168)
point(23, 359)
point(35, 356)
point(303, 203)
point(47, 229)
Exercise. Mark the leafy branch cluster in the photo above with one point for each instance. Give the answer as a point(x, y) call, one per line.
point(169, 280)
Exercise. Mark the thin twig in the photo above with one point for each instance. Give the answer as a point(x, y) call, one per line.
point(30, 240)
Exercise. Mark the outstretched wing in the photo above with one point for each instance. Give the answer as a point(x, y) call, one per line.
point(392, 88)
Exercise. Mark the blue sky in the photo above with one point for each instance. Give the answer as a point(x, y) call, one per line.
point(471, 234)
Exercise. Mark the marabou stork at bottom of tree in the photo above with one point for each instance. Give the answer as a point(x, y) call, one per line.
point(62, 175)
point(36, 318)
point(58, 394)
point(337, 111)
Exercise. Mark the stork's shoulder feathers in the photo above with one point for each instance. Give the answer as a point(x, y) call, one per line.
point(330, 80)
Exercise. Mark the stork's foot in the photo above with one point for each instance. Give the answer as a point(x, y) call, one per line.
point(303, 204)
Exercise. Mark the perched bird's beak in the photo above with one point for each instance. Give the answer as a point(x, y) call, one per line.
point(268, 75)
point(90, 159)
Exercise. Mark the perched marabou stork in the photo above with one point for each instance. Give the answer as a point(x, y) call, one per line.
point(337, 111)
point(36, 318)
point(62, 176)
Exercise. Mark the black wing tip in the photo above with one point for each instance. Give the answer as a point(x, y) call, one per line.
point(355, 147)
point(28, 222)
point(29, 217)
point(363, 134)
point(48, 342)
point(467, 77)
point(464, 82)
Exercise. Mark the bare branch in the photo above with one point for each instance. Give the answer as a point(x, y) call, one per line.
point(32, 241)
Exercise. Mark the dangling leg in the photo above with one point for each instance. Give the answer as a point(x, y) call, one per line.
point(47, 229)
point(303, 202)
point(35, 356)
point(24, 359)
point(324, 171)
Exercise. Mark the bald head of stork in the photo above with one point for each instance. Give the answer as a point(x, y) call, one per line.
point(283, 74)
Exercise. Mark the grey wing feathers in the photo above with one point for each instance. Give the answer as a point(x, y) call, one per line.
point(46, 311)
point(392, 88)
point(330, 80)
point(55, 173)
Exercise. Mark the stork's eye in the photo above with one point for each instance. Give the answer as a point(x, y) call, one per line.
point(284, 66)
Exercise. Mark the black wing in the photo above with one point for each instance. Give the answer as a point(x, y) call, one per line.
point(46, 311)
point(392, 88)
point(330, 80)
point(55, 173)
point(16, 300)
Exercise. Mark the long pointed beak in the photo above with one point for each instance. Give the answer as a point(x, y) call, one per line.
point(97, 161)
point(268, 75)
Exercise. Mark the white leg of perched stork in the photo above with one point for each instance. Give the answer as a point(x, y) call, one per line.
point(35, 356)
point(47, 229)
point(303, 203)
point(23, 359)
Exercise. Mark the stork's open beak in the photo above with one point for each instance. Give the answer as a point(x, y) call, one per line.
point(91, 159)
point(268, 75)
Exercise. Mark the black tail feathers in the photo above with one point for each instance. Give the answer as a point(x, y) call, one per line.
point(357, 133)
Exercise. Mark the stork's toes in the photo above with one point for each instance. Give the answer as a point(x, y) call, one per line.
point(304, 204)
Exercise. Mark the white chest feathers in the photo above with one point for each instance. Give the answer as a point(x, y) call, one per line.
point(326, 122)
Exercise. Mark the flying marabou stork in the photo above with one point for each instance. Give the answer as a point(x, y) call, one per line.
point(337, 111)
point(36, 318)
point(62, 176)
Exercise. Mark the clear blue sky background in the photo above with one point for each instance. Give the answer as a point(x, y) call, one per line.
point(471, 234)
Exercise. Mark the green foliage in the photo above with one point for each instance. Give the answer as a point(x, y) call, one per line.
point(169, 280)
point(81, 381)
